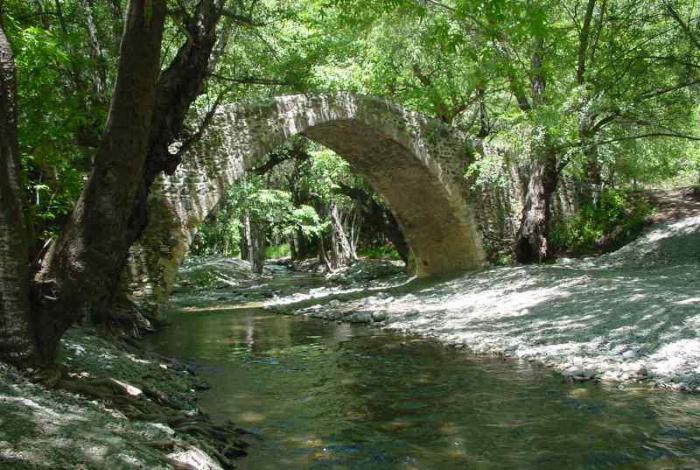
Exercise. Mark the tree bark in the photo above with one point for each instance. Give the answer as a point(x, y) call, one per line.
point(82, 269)
point(255, 244)
point(531, 243)
point(302, 247)
point(591, 188)
point(342, 248)
point(115, 9)
point(177, 87)
point(584, 36)
point(532, 238)
point(16, 334)
point(245, 237)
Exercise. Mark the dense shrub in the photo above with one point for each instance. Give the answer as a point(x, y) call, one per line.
point(617, 218)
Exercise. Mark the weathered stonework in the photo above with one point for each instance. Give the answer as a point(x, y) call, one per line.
point(417, 164)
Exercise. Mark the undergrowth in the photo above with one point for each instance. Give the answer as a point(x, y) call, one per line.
point(616, 219)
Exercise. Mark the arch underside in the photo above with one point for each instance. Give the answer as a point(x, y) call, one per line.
point(440, 235)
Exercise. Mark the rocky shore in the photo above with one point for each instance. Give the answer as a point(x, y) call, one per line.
point(112, 406)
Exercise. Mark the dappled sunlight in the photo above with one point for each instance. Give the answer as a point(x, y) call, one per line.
point(43, 431)
point(627, 315)
point(223, 307)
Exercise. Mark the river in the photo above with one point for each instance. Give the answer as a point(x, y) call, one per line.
point(327, 395)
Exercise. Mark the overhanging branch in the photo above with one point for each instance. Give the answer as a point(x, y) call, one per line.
point(672, 135)
point(251, 80)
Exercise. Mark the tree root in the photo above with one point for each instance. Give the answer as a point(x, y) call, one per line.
point(221, 441)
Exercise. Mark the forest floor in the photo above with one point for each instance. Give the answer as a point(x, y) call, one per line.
point(116, 407)
point(630, 315)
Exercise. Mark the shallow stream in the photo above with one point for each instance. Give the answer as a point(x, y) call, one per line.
point(323, 395)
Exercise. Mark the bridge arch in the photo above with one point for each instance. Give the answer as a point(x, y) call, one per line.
point(415, 163)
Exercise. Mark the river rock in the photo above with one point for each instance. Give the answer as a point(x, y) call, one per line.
point(629, 354)
point(360, 317)
point(379, 315)
point(194, 458)
point(580, 373)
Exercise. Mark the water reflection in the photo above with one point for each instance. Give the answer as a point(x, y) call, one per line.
point(327, 395)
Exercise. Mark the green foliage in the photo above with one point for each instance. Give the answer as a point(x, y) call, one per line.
point(272, 207)
point(51, 119)
point(466, 62)
point(616, 219)
point(278, 251)
point(380, 252)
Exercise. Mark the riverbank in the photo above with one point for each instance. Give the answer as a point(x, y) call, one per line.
point(628, 316)
point(115, 407)
point(631, 315)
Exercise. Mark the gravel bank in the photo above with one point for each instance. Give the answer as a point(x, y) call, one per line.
point(125, 409)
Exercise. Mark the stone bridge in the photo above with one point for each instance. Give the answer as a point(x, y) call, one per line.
point(417, 164)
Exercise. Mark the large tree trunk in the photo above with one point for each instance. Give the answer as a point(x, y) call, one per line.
point(83, 268)
point(531, 240)
point(178, 86)
point(531, 243)
point(16, 334)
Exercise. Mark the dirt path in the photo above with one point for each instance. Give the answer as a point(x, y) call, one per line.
point(674, 204)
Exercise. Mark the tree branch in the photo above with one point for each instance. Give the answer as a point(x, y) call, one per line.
point(662, 91)
point(251, 80)
point(240, 19)
point(192, 139)
point(674, 135)
point(583, 42)
point(684, 26)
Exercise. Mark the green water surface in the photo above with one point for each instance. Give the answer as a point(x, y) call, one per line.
point(323, 395)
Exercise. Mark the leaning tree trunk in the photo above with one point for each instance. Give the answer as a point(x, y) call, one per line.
point(177, 88)
point(379, 217)
point(82, 270)
point(532, 238)
point(392, 231)
point(16, 334)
